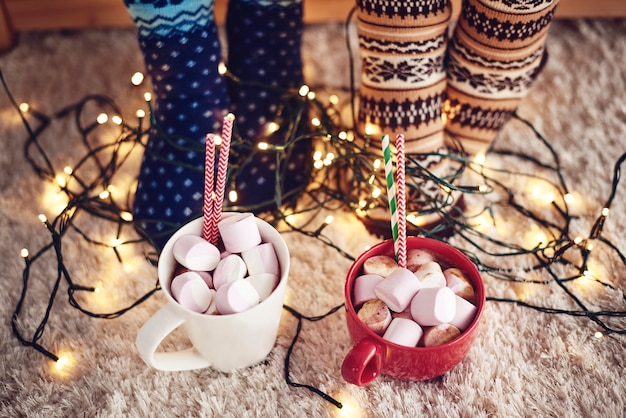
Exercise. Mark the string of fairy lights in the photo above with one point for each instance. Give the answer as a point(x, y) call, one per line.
point(347, 176)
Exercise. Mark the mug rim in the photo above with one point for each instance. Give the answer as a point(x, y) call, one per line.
point(284, 270)
point(388, 244)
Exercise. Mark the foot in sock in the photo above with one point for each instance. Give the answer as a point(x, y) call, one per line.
point(182, 53)
point(264, 53)
point(403, 81)
point(495, 54)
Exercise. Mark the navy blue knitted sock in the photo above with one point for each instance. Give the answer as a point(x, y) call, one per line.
point(181, 50)
point(264, 41)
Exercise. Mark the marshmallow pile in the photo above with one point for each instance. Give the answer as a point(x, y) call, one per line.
point(421, 305)
point(214, 282)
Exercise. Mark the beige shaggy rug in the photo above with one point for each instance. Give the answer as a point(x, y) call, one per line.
point(524, 363)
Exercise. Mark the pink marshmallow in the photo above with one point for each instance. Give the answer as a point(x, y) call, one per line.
point(230, 268)
point(237, 296)
point(195, 253)
point(264, 283)
point(465, 314)
point(261, 259)
point(430, 275)
point(195, 295)
point(239, 232)
point(364, 286)
point(433, 306)
point(179, 281)
point(398, 289)
point(404, 332)
point(417, 257)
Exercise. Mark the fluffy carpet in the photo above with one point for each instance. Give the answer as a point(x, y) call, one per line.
point(524, 362)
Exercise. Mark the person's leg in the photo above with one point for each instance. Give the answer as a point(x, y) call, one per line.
point(403, 80)
point(494, 56)
point(181, 50)
point(264, 53)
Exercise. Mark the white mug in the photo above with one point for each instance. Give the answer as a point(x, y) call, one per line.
point(223, 342)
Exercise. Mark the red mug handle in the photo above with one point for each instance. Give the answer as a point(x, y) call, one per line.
point(363, 362)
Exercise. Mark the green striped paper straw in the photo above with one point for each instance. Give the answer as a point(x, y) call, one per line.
point(391, 192)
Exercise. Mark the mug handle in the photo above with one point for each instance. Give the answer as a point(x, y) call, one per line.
point(363, 362)
point(153, 332)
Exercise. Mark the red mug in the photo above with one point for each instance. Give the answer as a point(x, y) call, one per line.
point(371, 355)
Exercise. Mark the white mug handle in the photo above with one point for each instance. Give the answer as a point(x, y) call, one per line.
point(154, 331)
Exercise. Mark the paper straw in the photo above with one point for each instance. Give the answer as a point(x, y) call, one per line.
point(401, 201)
point(209, 174)
point(222, 169)
point(391, 192)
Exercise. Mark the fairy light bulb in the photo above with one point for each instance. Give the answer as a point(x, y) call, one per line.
point(605, 212)
point(42, 218)
point(304, 90)
point(232, 196)
point(480, 158)
point(263, 146)
point(147, 97)
point(141, 113)
point(371, 129)
point(329, 219)
point(316, 122)
point(104, 194)
point(272, 127)
point(333, 99)
point(24, 107)
point(102, 118)
point(24, 253)
point(221, 68)
point(116, 120)
point(598, 334)
point(310, 95)
point(63, 367)
point(137, 78)
point(376, 192)
point(377, 164)
point(126, 216)
point(343, 135)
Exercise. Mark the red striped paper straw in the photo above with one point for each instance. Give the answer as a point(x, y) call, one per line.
point(401, 200)
point(222, 169)
point(209, 174)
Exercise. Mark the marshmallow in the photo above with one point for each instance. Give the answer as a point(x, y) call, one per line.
point(181, 279)
point(398, 289)
point(230, 268)
point(440, 334)
point(460, 285)
point(464, 315)
point(406, 314)
point(261, 259)
point(212, 309)
point(237, 296)
point(195, 253)
point(195, 295)
point(430, 275)
point(239, 232)
point(379, 264)
point(433, 306)
point(264, 283)
point(364, 288)
point(416, 257)
point(403, 332)
point(375, 315)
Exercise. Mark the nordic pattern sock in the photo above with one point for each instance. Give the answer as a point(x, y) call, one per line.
point(402, 46)
point(403, 81)
point(181, 50)
point(494, 56)
point(264, 52)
